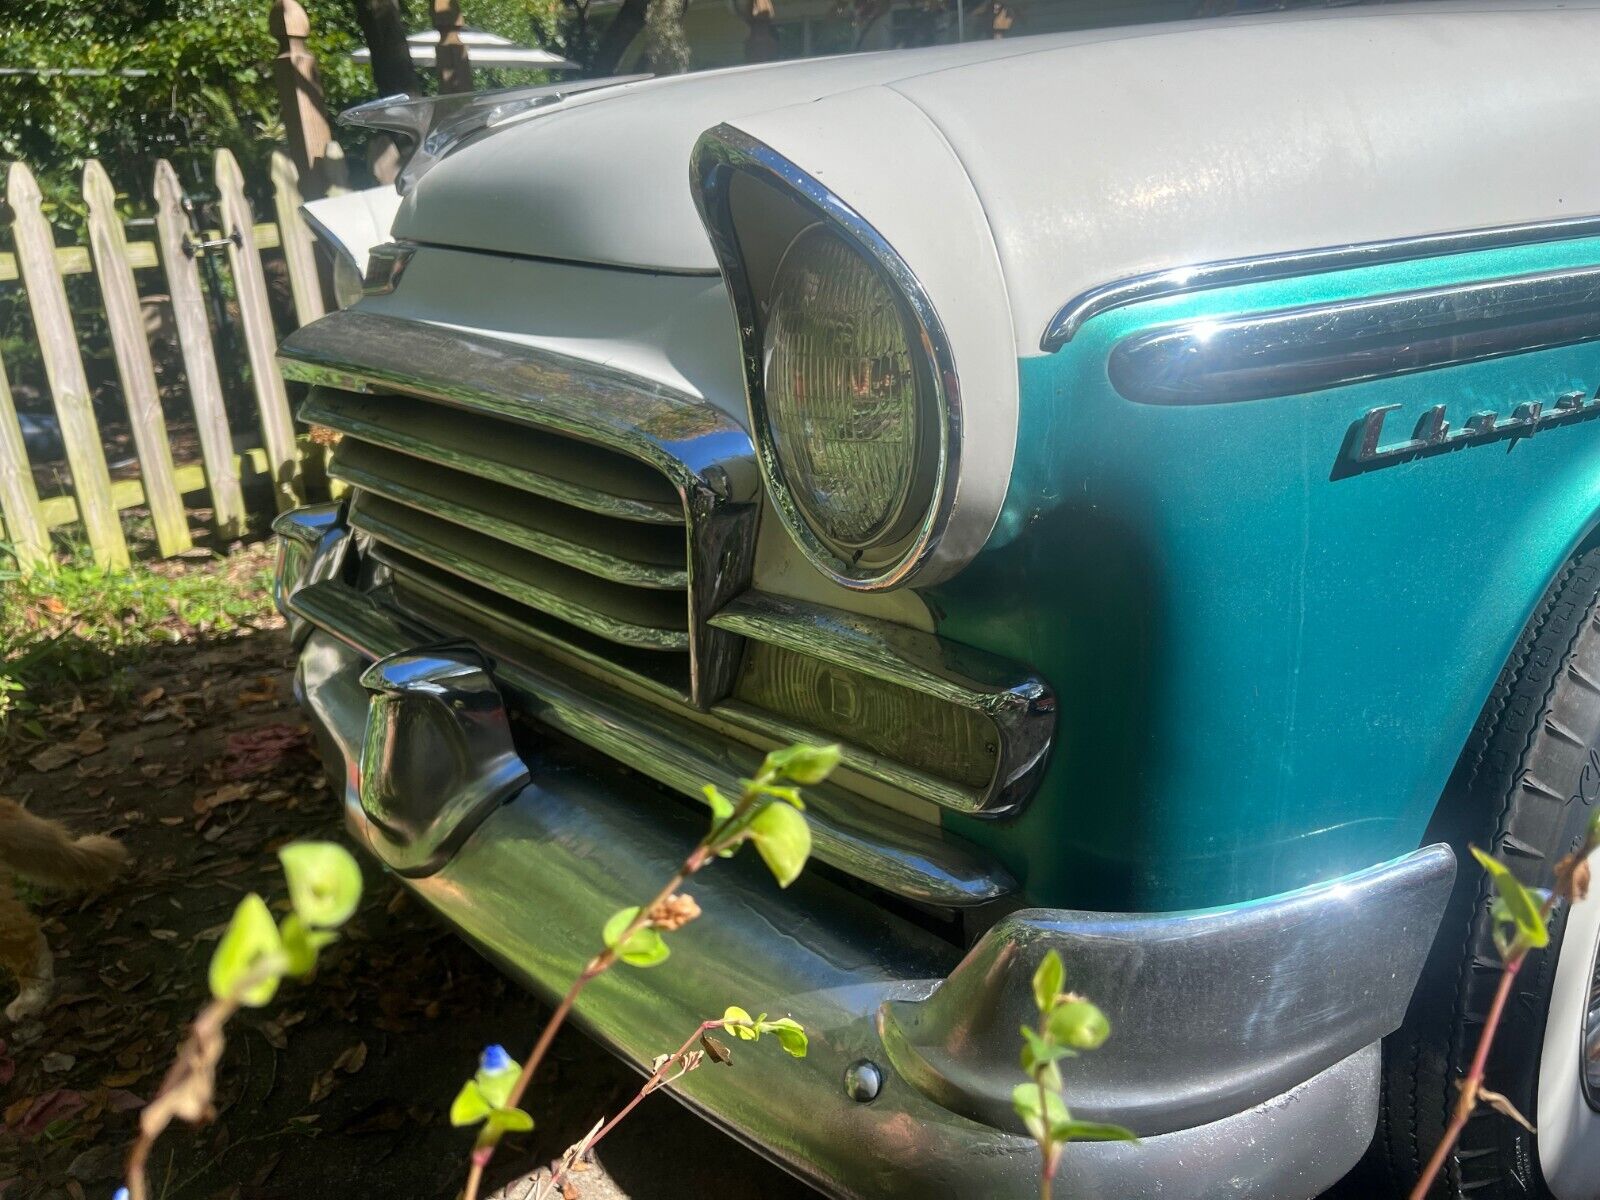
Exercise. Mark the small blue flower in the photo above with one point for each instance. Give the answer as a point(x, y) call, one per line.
point(495, 1059)
point(120, 1194)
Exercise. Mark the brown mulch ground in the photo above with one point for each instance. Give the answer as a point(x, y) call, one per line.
point(339, 1088)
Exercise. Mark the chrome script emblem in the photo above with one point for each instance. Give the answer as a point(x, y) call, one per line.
point(1365, 450)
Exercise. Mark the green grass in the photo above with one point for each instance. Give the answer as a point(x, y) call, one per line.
point(74, 625)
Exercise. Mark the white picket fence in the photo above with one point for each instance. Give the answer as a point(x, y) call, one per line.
point(94, 501)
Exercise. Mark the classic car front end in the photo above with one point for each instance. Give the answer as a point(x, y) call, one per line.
point(1054, 465)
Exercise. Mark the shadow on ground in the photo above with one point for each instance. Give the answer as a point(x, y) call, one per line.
point(199, 760)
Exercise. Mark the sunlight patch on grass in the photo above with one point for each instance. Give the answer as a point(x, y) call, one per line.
point(74, 624)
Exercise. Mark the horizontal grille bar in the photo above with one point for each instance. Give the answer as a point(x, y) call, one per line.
point(562, 469)
point(904, 857)
point(648, 619)
point(451, 606)
point(621, 551)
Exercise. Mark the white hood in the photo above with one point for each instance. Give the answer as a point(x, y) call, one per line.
point(1094, 155)
point(604, 177)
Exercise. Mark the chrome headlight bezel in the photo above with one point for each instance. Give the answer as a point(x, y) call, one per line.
point(725, 161)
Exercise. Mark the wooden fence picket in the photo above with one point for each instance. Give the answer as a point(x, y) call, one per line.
point(58, 344)
point(199, 359)
point(108, 241)
point(26, 532)
point(299, 253)
point(261, 338)
point(92, 501)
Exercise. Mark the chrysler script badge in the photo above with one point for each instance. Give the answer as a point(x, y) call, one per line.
point(1364, 448)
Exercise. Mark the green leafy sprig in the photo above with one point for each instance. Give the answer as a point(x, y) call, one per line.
point(769, 813)
point(253, 957)
point(1521, 917)
point(1068, 1024)
point(698, 1047)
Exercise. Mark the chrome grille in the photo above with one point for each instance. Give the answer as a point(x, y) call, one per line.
point(493, 522)
point(607, 516)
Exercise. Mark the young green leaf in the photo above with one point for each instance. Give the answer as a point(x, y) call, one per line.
point(470, 1105)
point(511, 1120)
point(644, 948)
point(740, 1023)
point(789, 795)
point(1079, 1024)
point(1048, 981)
point(783, 839)
point(790, 1033)
point(1038, 1052)
point(802, 763)
point(721, 806)
point(1520, 905)
point(1026, 1099)
point(1090, 1131)
point(301, 945)
point(324, 882)
point(251, 938)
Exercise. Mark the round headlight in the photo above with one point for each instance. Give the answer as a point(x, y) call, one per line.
point(853, 427)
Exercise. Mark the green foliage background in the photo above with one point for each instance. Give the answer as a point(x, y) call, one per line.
point(209, 83)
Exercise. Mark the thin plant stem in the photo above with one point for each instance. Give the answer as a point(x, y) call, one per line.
point(1472, 1085)
point(657, 1078)
point(1047, 1158)
point(1567, 887)
point(200, 1051)
point(602, 962)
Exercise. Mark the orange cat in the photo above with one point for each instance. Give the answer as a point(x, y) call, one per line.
point(45, 853)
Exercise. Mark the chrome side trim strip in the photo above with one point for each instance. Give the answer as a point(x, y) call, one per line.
point(903, 856)
point(1256, 269)
point(1214, 1010)
point(1311, 348)
point(704, 453)
point(1019, 703)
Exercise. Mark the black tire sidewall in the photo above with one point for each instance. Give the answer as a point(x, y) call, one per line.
point(1524, 789)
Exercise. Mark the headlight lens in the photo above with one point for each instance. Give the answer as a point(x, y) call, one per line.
point(845, 397)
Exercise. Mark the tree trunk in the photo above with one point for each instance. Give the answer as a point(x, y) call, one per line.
point(619, 35)
point(383, 27)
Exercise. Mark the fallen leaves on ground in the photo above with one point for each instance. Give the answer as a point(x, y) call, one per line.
point(195, 755)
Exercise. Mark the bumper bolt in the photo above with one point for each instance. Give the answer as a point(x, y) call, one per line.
point(863, 1080)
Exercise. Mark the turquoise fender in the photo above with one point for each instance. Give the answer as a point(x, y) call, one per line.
point(1265, 671)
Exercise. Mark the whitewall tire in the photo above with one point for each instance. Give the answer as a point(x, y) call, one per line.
point(1567, 1120)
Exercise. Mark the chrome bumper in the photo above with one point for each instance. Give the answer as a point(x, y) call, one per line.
point(1245, 1044)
